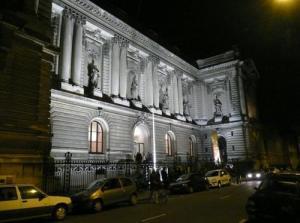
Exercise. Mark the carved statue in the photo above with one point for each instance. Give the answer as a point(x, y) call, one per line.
point(93, 73)
point(186, 106)
point(134, 88)
point(165, 99)
point(218, 106)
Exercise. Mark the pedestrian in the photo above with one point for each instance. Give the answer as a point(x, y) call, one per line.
point(164, 176)
point(154, 182)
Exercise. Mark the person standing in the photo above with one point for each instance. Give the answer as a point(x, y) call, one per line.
point(164, 176)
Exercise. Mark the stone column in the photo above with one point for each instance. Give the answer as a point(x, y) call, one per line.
point(155, 84)
point(123, 68)
point(77, 50)
point(115, 66)
point(241, 91)
point(66, 45)
point(180, 97)
point(149, 82)
point(175, 94)
point(229, 100)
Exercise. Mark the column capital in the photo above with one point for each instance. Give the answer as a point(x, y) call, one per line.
point(122, 41)
point(154, 59)
point(68, 13)
point(80, 19)
point(178, 73)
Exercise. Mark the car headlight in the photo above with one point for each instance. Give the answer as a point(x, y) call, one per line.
point(249, 175)
point(258, 175)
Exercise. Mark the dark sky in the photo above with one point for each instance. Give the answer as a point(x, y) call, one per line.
point(268, 33)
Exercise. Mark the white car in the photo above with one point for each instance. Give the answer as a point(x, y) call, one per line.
point(25, 201)
point(218, 178)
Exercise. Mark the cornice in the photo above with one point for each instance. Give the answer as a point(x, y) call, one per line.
point(216, 68)
point(113, 23)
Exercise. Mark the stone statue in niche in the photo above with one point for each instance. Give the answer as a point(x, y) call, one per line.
point(134, 88)
point(165, 100)
point(164, 97)
point(93, 74)
point(218, 106)
point(186, 106)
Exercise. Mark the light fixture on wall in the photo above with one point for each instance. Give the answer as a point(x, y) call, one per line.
point(99, 111)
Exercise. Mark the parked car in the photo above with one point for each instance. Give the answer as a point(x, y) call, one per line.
point(254, 175)
point(277, 199)
point(218, 178)
point(189, 183)
point(105, 192)
point(25, 201)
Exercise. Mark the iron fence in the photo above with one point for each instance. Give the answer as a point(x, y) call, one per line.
point(68, 175)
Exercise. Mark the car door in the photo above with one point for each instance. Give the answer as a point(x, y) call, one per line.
point(128, 188)
point(10, 203)
point(112, 191)
point(33, 201)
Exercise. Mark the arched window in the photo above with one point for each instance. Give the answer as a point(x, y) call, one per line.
point(168, 145)
point(95, 137)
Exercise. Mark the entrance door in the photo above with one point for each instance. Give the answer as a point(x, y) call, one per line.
point(223, 149)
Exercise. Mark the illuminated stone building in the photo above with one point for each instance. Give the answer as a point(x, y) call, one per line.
point(116, 92)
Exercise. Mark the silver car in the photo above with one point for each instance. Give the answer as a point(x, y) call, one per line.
point(105, 192)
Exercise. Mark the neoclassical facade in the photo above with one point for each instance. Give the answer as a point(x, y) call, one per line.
point(74, 78)
point(116, 92)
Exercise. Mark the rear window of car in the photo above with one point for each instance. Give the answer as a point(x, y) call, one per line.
point(8, 194)
point(285, 187)
point(212, 173)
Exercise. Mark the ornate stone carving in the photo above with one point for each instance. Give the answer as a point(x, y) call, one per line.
point(143, 117)
point(218, 106)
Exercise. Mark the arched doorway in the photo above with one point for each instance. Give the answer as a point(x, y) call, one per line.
point(222, 148)
point(141, 139)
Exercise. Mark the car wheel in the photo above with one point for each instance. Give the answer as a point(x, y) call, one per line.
point(219, 184)
point(59, 212)
point(97, 206)
point(190, 189)
point(133, 199)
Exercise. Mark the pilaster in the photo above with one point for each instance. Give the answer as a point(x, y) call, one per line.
point(77, 50)
point(115, 66)
point(123, 68)
point(66, 45)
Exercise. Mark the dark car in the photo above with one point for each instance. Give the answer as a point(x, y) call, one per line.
point(277, 199)
point(254, 175)
point(189, 183)
point(105, 192)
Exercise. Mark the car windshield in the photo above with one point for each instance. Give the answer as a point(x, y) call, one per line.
point(212, 173)
point(96, 184)
point(183, 177)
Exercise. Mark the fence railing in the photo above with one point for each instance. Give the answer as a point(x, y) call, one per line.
point(69, 175)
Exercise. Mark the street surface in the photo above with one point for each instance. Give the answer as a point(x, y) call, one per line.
point(226, 205)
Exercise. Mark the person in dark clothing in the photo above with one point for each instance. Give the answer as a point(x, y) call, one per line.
point(164, 176)
point(154, 182)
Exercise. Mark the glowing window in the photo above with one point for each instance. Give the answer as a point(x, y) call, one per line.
point(95, 137)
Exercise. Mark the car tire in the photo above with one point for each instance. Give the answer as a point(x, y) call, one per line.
point(219, 184)
point(59, 213)
point(97, 206)
point(190, 189)
point(133, 199)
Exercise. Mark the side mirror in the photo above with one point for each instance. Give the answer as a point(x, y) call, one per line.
point(256, 188)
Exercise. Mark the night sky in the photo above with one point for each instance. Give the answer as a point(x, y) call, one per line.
point(268, 33)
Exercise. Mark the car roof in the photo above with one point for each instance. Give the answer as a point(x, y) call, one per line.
point(14, 185)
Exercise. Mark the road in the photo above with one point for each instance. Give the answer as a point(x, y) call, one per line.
point(226, 205)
